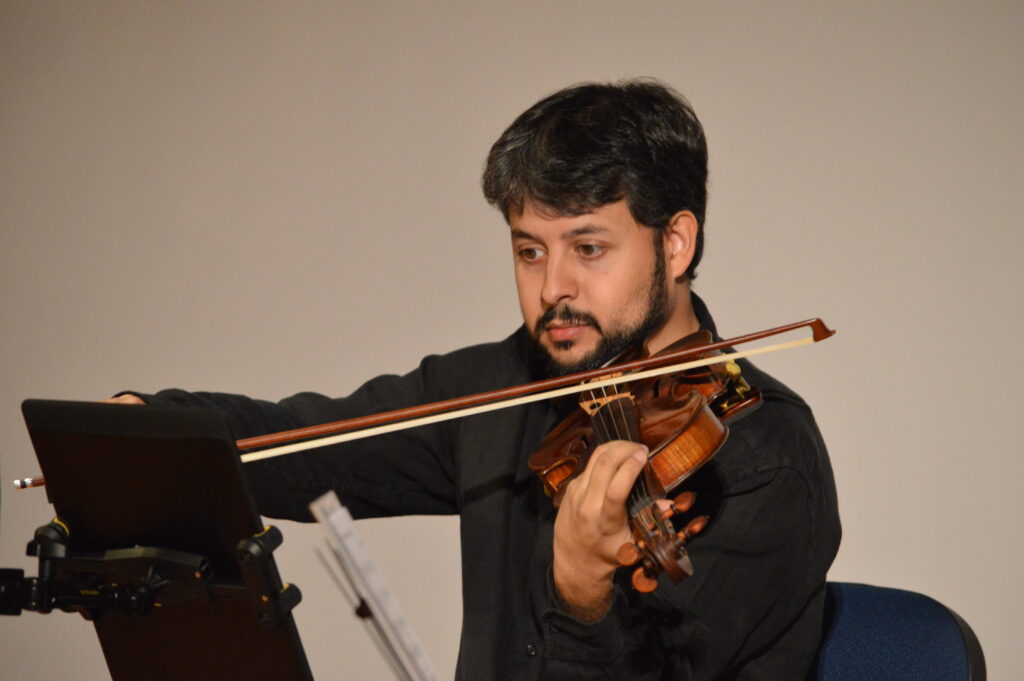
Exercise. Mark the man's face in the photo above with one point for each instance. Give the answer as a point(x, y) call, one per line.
point(589, 285)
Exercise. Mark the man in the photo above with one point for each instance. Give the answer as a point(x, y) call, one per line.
point(603, 187)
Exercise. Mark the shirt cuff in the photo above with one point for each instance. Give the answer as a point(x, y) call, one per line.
point(571, 639)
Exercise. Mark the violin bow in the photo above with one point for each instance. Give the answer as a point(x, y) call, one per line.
point(347, 430)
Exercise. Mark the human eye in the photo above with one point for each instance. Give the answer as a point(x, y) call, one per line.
point(590, 251)
point(529, 254)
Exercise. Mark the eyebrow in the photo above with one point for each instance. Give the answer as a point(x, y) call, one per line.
point(572, 233)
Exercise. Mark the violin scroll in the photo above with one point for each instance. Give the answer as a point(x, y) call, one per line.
point(672, 558)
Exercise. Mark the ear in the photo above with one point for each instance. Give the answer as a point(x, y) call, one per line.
point(680, 242)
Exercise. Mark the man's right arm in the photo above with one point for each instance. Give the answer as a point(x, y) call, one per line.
point(410, 472)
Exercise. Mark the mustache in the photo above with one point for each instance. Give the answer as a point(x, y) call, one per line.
point(567, 314)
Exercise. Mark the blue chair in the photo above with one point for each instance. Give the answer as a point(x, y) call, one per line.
point(879, 634)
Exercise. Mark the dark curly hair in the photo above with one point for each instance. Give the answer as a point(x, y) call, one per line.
point(596, 143)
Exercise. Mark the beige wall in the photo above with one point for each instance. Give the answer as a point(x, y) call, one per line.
point(270, 197)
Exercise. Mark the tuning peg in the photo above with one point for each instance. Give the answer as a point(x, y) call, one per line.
point(642, 582)
point(685, 501)
point(693, 527)
point(628, 554)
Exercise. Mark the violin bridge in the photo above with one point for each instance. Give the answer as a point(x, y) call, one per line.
point(592, 403)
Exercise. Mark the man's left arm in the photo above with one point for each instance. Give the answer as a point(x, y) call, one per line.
point(754, 602)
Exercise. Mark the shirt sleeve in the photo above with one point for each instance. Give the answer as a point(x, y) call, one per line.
point(754, 579)
point(409, 472)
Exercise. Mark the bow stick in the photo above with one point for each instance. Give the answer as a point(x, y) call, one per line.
point(358, 428)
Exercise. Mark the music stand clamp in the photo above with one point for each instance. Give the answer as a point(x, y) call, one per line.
point(254, 560)
point(136, 580)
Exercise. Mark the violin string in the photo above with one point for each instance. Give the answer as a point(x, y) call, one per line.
point(599, 423)
point(605, 416)
point(622, 413)
point(607, 427)
point(605, 424)
point(613, 417)
point(607, 421)
point(626, 427)
point(614, 412)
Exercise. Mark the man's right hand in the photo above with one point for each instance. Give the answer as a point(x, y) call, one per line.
point(124, 399)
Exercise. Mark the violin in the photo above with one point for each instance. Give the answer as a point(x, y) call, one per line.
point(683, 419)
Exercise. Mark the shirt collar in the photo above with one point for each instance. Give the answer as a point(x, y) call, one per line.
point(703, 315)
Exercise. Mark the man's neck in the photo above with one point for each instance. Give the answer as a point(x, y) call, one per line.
point(681, 323)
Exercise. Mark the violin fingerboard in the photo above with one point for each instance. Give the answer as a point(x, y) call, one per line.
point(616, 420)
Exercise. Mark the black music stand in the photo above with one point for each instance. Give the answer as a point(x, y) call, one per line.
point(165, 550)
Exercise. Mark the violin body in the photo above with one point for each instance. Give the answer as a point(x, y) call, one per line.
point(698, 403)
point(666, 411)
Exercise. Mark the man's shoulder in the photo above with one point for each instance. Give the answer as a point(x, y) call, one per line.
point(780, 433)
point(484, 366)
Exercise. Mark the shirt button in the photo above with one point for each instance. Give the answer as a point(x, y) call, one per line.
point(531, 649)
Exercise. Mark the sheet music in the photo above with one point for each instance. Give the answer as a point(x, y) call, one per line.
point(384, 617)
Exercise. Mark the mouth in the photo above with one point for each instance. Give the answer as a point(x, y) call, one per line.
point(566, 333)
point(565, 326)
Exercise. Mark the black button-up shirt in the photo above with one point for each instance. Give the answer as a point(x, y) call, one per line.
point(752, 610)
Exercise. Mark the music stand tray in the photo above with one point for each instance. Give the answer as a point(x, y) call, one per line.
point(145, 481)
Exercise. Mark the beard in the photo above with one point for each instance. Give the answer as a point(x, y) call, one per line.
point(613, 343)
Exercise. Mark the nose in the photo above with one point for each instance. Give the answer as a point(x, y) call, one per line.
point(559, 281)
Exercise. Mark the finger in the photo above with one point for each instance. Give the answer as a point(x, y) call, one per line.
point(621, 484)
point(606, 463)
point(605, 459)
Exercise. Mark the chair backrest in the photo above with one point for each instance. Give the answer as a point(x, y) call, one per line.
point(879, 634)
